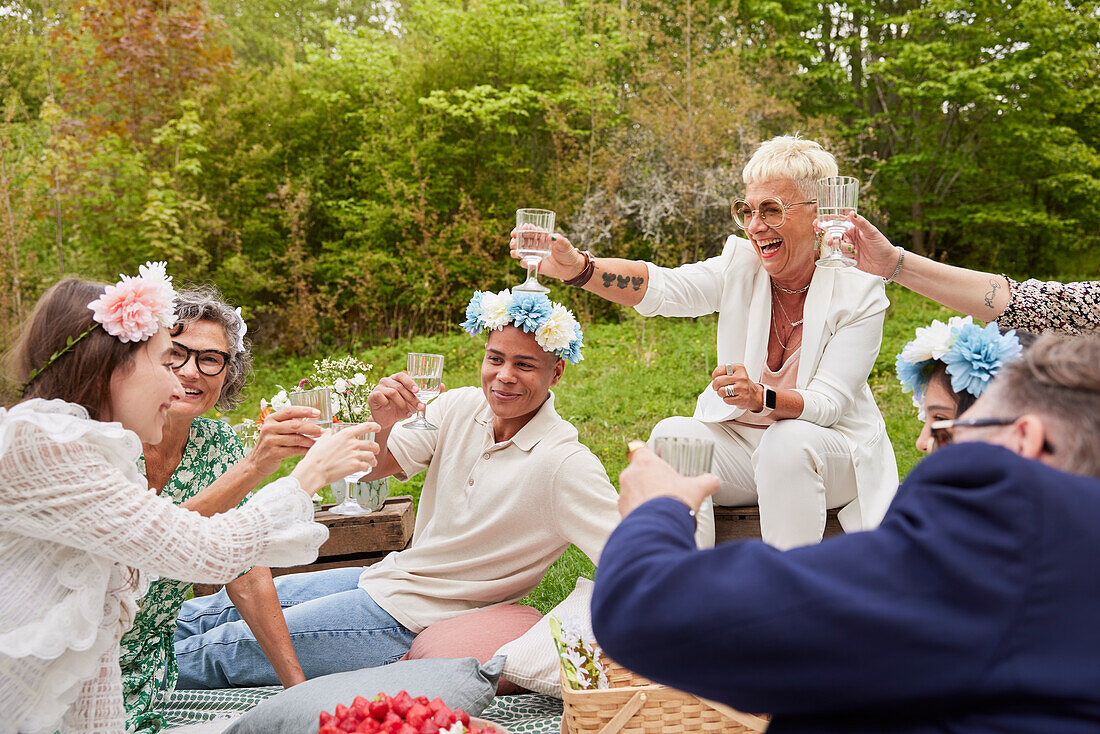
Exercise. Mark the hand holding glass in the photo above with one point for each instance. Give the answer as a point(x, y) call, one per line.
point(689, 457)
point(426, 370)
point(836, 201)
point(343, 490)
point(320, 399)
point(533, 230)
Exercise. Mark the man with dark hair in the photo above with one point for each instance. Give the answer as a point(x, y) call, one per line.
point(972, 608)
point(507, 487)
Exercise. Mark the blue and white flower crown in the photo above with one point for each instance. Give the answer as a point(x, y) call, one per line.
point(555, 328)
point(972, 354)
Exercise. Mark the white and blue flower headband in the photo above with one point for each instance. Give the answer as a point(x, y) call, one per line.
point(972, 354)
point(555, 328)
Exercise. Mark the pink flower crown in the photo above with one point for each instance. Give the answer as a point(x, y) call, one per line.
point(132, 310)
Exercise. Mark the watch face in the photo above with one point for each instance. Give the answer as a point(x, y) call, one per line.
point(769, 398)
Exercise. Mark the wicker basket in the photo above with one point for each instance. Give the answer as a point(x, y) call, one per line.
point(635, 705)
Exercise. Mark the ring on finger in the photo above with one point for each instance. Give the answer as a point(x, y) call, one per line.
point(730, 392)
point(729, 370)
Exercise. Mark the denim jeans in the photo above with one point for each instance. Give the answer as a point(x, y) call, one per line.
point(334, 625)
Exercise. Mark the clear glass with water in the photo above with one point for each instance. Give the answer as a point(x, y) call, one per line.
point(836, 201)
point(426, 370)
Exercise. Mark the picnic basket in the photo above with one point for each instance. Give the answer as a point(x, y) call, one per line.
point(636, 705)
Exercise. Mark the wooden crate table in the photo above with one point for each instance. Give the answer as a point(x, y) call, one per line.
point(743, 523)
point(354, 540)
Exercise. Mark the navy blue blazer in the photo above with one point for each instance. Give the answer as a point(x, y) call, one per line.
point(973, 607)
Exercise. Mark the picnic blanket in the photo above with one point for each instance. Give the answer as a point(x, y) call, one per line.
point(532, 713)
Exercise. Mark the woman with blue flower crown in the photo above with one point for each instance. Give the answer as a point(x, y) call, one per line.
point(508, 487)
point(948, 366)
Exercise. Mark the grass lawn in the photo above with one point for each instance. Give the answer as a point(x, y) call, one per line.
point(634, 373)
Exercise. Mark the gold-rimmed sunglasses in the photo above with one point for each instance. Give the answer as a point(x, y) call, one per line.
point(772, 211)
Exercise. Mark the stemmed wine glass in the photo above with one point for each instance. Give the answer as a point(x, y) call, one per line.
point(426, 370)
point(836, 199)
point(343, 490)
point(533, 230)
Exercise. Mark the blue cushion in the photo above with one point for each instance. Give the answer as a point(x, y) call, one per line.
point(462, 683)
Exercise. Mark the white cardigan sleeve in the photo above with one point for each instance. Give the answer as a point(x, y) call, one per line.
point(72, 493)
point(694, 289)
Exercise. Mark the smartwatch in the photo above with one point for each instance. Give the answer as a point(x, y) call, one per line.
point(769, 401)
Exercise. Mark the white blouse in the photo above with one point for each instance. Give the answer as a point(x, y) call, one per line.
point(77, 522)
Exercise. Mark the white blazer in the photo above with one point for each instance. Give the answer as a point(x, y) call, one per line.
point(841, 337)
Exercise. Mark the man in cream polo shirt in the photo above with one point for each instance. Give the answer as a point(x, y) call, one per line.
point(507, 487)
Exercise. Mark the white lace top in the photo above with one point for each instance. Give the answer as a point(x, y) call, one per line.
point(76, 523)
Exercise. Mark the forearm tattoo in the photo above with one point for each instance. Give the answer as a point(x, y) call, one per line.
point(991, 294)
point(622, 281)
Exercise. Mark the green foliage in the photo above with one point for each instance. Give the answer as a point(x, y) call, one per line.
point(976, 122)
point(348, 170)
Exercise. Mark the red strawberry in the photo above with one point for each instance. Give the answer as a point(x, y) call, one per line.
point(369, 725)
point(402, 702)
point(418, 714)
point(378, 709)
point(443, 719)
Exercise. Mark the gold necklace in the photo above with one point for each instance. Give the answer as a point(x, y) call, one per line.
point(788, 318)
point(794, 324)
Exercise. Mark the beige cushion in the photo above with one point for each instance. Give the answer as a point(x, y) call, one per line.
point(532, 660)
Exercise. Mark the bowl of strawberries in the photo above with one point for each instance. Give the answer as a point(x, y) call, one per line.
point(402, 714)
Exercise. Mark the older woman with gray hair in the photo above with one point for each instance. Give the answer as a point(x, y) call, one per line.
point(795, 427)
point(201, 464)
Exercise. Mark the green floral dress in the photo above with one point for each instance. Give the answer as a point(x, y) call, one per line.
point(146, 652)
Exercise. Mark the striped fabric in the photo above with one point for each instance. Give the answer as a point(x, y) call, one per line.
point(533, 713)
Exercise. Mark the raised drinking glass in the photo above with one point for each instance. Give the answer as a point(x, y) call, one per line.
point(836, 200)
point(426, 370)
point(690, 457)
point(533, 230)
point(344, 490)
point(319, 398)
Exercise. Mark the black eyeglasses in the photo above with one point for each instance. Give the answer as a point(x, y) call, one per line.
point(211, 362)
point(943, 431)
point(773, 212)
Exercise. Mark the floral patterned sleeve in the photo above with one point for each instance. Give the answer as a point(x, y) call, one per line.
point(1069, 308)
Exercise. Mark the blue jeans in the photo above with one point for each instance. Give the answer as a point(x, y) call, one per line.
point(334, 625)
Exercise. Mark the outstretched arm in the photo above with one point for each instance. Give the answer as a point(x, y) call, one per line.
point(255, 597)
point(981, 295)
point(618, 280)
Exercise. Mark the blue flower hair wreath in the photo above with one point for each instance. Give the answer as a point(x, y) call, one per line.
point(555, 328)
point(972, 355)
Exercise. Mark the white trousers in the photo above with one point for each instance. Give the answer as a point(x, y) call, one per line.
point(793, 470)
